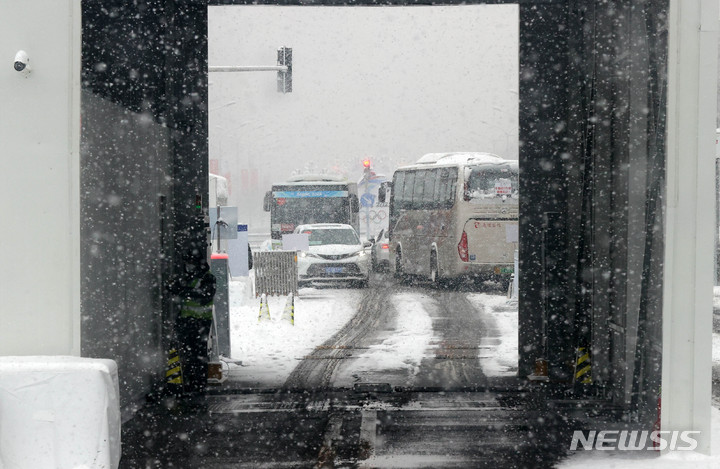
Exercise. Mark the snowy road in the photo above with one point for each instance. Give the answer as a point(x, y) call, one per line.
point(460, 330)
point(397, 335)
point(391, 376)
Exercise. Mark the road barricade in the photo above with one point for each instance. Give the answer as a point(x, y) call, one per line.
point(276, 273)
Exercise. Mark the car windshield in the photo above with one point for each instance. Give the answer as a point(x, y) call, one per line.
point(323, 236)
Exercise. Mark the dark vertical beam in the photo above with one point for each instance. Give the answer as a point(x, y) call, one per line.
point(559, 351)
point(648, 354)
point(186, 85)
point(580, 168)
point(143, 158)
point(187, 95)
point(543, 116)
point(615, 177)
point(124, 165)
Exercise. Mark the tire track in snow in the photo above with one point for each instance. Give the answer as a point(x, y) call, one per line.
point(317, 369)
point(455, 364)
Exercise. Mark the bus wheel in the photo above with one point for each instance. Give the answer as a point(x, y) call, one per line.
point(398, 265)
point(434, 273)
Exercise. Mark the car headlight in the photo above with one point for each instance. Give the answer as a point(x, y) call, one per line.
point(361, 253)
point(304, 254)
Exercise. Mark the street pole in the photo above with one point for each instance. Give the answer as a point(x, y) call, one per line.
point(283, 69)
point(248, 68)
point(367, 209)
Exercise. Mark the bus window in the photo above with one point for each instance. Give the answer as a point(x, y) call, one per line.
point(446, 185)
point(430, 183)
point(419, 190)
point(397, 188)
point(407, 193)
point(297, 211)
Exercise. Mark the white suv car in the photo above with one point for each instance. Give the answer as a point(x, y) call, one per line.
point(335, 254)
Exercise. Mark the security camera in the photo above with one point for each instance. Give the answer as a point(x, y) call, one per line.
point(22, 62)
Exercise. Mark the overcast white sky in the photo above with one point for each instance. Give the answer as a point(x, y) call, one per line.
point(389, 83)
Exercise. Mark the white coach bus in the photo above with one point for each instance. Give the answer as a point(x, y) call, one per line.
point(455, 215)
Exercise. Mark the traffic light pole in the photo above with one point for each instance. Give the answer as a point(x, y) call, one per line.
point(248, 68)
point(283, 69)
point(366, 177)
point(367, 209)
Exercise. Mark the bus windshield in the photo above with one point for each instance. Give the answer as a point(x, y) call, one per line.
point(297, 211)
point(486, 183)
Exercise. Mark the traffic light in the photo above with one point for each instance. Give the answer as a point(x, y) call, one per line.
point(284, 79)
point(366, 168)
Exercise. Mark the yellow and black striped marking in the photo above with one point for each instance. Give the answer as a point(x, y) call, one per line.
point(583, 370)
point(264, 309)
point(174, 370)
point(289, 313)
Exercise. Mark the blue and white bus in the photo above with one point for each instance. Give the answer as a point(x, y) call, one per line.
point(306, 199)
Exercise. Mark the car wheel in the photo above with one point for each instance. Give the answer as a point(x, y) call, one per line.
point(505, 283)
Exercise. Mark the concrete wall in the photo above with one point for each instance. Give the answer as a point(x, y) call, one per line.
point(39, 167)
point(689, 229)
point(90, 236)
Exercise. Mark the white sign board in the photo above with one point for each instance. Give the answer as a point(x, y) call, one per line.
point(503, 187)
point(228, 222)
point(296, 242)
point(238, 253)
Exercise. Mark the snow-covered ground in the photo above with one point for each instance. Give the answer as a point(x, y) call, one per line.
point(501, 360)
point(402, 346)
point(270, 349)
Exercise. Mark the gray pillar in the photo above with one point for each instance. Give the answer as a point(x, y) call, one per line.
point(219, 268)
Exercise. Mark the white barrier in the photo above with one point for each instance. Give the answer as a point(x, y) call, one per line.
point(60, 412)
